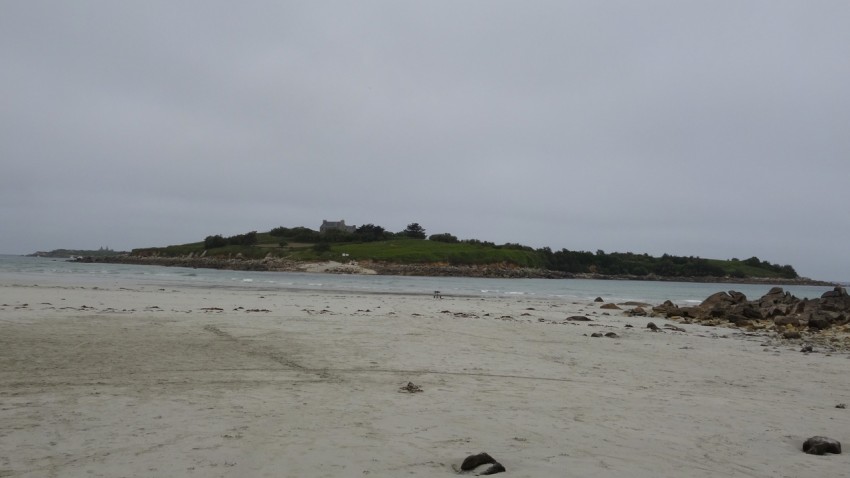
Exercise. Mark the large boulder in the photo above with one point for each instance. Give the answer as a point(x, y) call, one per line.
point(723, 299)
point(821, 446)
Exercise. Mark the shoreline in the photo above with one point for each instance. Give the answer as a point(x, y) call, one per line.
point(424, 270)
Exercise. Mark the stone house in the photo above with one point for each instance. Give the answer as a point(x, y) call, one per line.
point(336, 226)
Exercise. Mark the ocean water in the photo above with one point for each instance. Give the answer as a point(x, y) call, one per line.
point(44, 271)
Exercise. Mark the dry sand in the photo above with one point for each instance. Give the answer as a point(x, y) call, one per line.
point(120, 382)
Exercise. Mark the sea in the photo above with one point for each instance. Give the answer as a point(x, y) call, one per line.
point(25, 270)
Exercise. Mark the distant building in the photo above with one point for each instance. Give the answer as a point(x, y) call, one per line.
point(336, 226)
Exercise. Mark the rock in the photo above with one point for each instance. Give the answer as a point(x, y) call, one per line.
point(474, 461)
point(637, 312)
point(651, 326)
point(598, 299)
point(832, 309)
point(578, 318)
point(818, 323)
point(723, 299)
point(739, 320)
point(596, 334)
point(611, 335)
point(668, 308)
point(691, 312)
point(749, 311)
point(494, 468)
point(610, 306)
point(821, 445)
point(792, 334)
point(807, 349)
point(837, 292)
point(786, 320)
point(841, 405)
point(410, 388)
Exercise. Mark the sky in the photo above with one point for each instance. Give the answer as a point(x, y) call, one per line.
point(718, 129)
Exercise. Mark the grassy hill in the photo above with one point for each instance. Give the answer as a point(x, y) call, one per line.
point(407, 251)
point(302, 244)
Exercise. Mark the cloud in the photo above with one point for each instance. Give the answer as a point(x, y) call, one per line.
point(715, 129)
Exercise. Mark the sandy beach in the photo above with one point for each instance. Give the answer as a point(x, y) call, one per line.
point(114, 381)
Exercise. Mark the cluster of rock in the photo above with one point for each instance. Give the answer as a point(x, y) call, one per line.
point(779, 307)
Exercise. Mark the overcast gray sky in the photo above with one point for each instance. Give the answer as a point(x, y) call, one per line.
point(714, 128)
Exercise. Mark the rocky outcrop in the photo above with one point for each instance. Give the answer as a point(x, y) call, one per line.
point(230, 263)
point(506, 271)
point(777, 306)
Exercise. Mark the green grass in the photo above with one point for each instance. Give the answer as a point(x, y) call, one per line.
point(407, 251)
point(421, 251)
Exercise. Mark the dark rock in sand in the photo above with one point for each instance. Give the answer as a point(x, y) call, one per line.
point(612, 335)
point(651, 326)
point(821, 445)
point(792, 334)
point(738, 320)
point(493, 469)
point(598, 299)
point(596, 334)
point(786, 320)
point(578, 318)
point(819, 323)
point(474, 461)
point(610, 307)
point(667, 309)
point(638, 312)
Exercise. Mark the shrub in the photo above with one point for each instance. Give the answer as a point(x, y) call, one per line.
point(212, 242)
point(445, 237)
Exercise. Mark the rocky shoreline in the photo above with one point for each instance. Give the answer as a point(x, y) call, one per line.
point(824, 320)
point(499, 271)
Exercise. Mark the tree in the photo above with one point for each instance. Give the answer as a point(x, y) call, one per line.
point(369, 233)
point(212, 242)
point(415, 231)
point(445, 237)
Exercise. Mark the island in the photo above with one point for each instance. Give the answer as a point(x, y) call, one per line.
point(370, 249)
